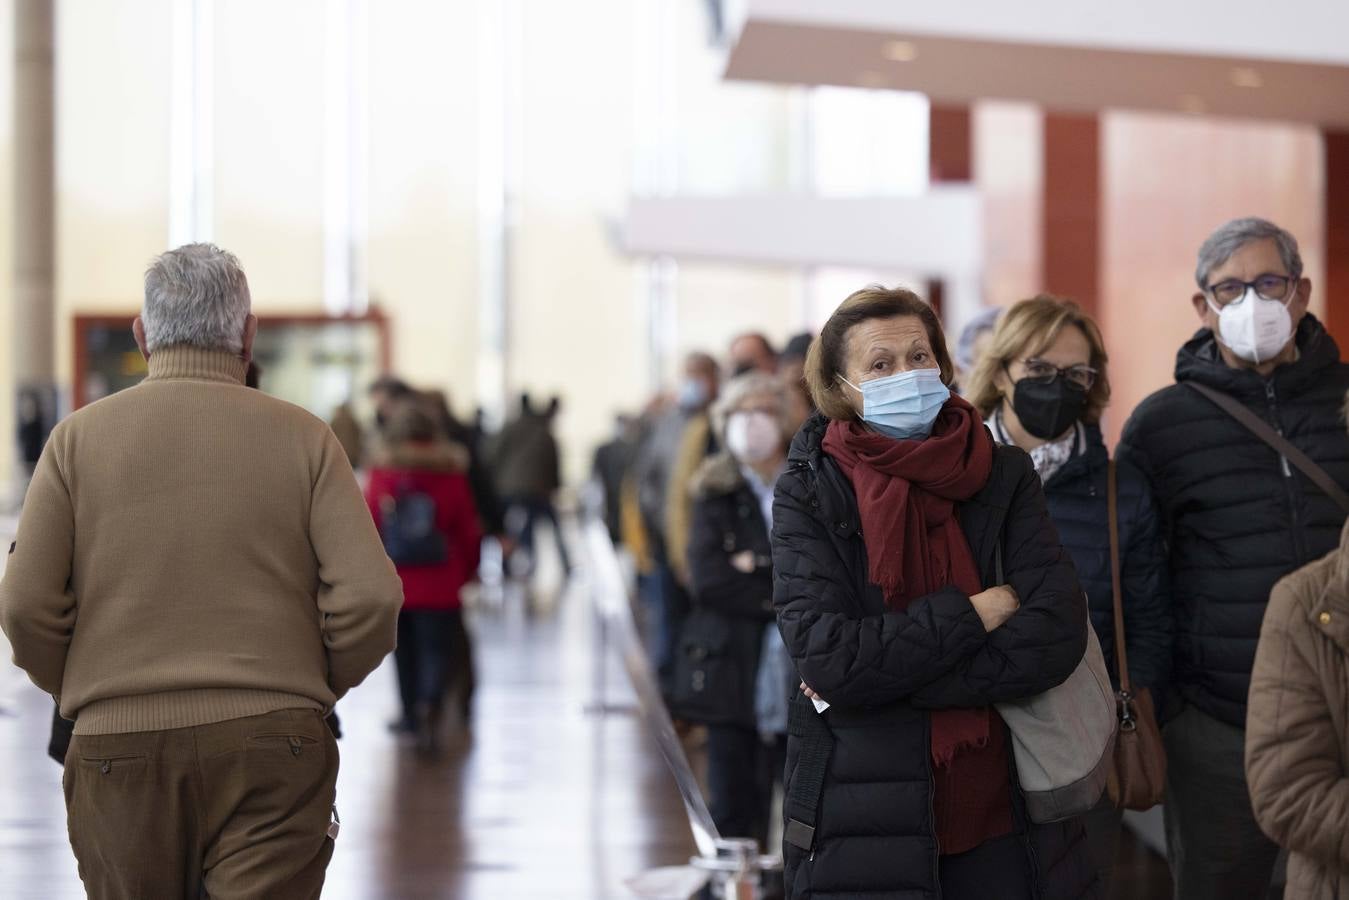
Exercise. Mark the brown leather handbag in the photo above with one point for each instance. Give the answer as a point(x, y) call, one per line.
point(1138, 777)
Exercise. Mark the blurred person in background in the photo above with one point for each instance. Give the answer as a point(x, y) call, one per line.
point(792, 371)
point(1297, 725)
point(1042, 384)
point(753, 352)
point(528, 470)
point(196, 579)
point(1238, 517)
point(480, 476)
point(974, 340)
point(348, 431)
point(384, 393)
point(730, 569)
point(665, 600)
point(887, 526)
point(610, 468)
point(422, 504)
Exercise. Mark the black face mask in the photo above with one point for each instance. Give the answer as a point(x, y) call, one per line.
point(1048, 410)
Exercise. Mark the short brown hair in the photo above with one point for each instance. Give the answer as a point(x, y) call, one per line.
point(1026, 330)
point(824, 361)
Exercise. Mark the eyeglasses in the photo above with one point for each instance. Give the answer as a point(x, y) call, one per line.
point(1040, 371)
point(1270, 287)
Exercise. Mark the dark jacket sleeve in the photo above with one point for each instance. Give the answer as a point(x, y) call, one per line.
point(1045, 639)
point(1145, 583)
point(852, 661)
point(716, 583)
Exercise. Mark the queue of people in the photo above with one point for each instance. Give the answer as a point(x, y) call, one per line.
point(863, 565)
point(909, 473)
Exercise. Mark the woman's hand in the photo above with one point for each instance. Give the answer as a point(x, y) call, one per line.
point(995, 605)
point(809, 693)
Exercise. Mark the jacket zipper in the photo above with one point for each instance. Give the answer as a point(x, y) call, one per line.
point(932, 809)
point(1290, 483)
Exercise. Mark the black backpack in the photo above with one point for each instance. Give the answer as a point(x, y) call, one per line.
point(408, 527)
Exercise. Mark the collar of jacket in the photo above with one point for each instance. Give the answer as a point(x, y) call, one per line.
point(718, 476)
point(1199, 360)
point(1090, 460)
point(182, 362)
point(431, 456)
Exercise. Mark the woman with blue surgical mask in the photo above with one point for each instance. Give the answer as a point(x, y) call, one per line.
point(888, 527)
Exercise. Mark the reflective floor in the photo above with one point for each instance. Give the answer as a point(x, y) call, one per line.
point(541, 800)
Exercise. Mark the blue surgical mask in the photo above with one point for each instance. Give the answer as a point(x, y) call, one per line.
point(692, 394)
point(905, 405)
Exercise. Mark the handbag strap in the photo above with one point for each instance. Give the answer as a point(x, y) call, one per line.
point(1261, 429)
point(1112, 511)
point(801, 805)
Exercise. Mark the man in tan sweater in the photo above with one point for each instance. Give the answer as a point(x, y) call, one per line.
point(197, 581)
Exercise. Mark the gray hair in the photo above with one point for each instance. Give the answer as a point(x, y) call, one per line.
point(739, 389)
point(196, 295)
point(1236, 234)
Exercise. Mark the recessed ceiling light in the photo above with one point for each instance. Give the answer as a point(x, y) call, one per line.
point(874, 80)
point(1246, 77)
point(901, 51)
point(1192, 103)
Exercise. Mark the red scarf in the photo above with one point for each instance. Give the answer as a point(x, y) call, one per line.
point(907, 491)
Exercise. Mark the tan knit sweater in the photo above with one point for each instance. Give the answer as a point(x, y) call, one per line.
point(192, 551)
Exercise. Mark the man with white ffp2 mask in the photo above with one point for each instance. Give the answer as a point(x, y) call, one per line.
point(1238, 518)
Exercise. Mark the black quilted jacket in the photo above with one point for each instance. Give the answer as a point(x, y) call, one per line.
point(1236, 517)
point(883, 671)
point(1077, 504)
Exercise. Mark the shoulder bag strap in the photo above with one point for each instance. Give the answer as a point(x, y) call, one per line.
point(1261, 429)
point(1112, 510)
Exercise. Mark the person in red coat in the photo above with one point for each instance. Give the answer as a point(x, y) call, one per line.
point(420, 497)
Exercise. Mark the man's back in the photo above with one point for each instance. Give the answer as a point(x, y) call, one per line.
point(214, 538)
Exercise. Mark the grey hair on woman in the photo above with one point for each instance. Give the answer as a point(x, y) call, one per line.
point(196, 295)
point(1234, 235)
point(739, 389)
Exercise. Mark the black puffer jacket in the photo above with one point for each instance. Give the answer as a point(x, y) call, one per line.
point(1236, 517)
point(734, 604)
point(1076, 495)
point(882, 671)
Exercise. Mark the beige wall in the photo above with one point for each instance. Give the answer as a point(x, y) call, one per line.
point(112, 175)
point(423, 165)
point(7, 444)
point(576, 324)
point(1168, 181)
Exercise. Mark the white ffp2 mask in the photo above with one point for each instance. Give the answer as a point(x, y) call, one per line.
point(1253, 328)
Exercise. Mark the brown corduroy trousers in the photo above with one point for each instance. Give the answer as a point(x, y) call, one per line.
point(229, 810)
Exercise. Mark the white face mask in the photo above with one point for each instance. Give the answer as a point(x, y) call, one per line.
point(1253, 328)
point(753, 437)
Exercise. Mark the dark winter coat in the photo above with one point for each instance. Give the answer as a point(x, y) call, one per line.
point(1076, 495)
point(1237, 517)
point(525, 459)
point(436, 471)
point(884, 671)
point(728, 524)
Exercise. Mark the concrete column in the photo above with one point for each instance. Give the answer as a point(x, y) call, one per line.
point(1072, 208)
point(950, 144)
point(34, 340)
point(1336, 288)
